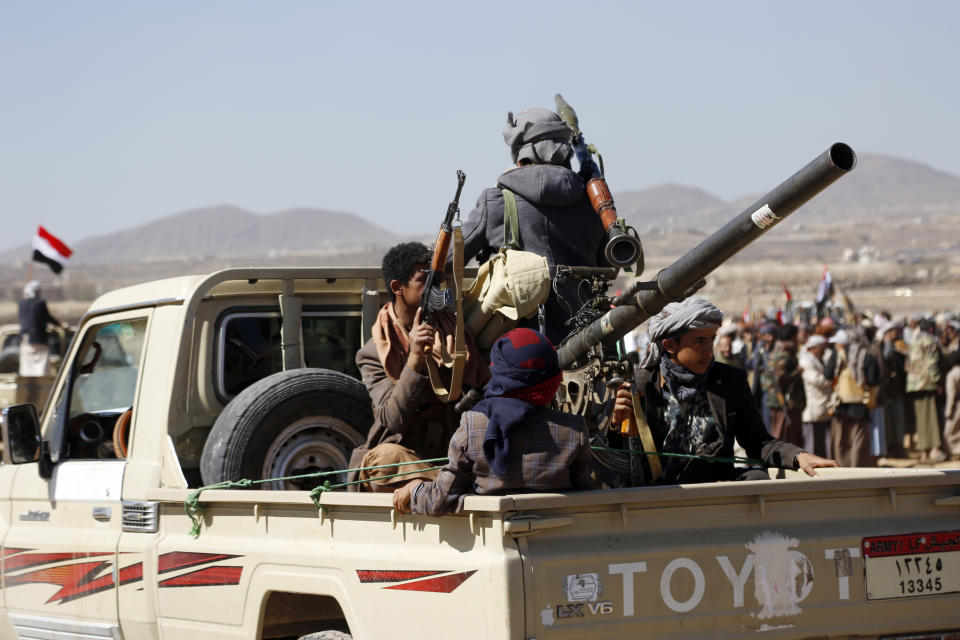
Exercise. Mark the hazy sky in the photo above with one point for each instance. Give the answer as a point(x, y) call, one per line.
point(117, 113)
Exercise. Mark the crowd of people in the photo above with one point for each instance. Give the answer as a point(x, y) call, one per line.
point(855, 389)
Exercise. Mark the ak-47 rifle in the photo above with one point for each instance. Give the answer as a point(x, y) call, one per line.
point(435, 299)
point(623, 246)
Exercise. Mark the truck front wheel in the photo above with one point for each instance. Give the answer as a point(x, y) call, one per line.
point(294, 422)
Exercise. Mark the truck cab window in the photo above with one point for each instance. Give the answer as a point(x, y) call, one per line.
point(331, 342)
point(249, 346)
point(105, 381)
point(251, 350)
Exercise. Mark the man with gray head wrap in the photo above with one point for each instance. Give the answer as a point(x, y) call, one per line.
point(556, 219)
point(676, 317)
point(695, 405)
point(538, 136)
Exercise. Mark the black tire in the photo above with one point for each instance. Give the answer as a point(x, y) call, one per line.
point(10, 360)
point(327, 635)
point(290, 423)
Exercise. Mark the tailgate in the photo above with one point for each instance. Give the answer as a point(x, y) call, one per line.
point(852, 553)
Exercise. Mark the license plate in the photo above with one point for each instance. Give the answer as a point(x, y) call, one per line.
point(912, 565)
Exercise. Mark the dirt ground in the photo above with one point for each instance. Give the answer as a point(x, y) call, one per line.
point(753, 278)
point(884, 286)
point(914, 463)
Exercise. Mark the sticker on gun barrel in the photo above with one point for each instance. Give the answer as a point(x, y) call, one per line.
point(605, 325)
point(764, 217)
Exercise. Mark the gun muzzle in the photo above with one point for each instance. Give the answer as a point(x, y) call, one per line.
point(623, 249)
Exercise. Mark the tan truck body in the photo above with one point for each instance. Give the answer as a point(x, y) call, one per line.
point(102, 548)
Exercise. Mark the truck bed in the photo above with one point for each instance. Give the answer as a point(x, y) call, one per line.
point(790, 557)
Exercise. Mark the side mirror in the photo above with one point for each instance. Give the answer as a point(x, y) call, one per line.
point(21, 434)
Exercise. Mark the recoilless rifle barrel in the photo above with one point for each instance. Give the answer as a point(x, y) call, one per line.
point(676, 281)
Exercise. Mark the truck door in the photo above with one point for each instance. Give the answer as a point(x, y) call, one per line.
point(59, 555)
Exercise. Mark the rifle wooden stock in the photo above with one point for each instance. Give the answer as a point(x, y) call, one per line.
point(441, 250)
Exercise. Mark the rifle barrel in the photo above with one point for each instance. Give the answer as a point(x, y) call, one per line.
point(675, 281)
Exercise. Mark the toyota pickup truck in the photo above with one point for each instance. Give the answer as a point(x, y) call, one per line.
point(96, 542)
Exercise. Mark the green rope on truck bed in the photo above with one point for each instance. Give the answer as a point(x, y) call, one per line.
point(195, 512)
point(733, 459)
point(326, 486)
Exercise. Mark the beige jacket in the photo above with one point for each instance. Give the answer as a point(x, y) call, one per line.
point(817, 388)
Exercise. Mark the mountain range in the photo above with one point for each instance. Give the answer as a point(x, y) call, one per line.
point(882, 186)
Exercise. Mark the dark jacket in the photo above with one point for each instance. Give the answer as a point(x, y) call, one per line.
point(737, 418)
point(782, 380)
point(407, 413)
point(556, 220)
point(551, 452)
point(34, 318)
point(894, 371)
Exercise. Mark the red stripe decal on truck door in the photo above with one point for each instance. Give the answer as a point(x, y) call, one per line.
point(35, 559)
point(74, 580)
point(443, 584)
point(182, 559)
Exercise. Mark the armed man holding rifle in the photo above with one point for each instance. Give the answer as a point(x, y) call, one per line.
point(410, 422)
point(415, 335)
point(695, 405)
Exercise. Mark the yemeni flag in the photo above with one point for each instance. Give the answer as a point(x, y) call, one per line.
point(788, 308)
point(48, 249)
point(825, 290)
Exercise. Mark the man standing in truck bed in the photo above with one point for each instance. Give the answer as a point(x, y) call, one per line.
point(556, 219)
point(409, 422)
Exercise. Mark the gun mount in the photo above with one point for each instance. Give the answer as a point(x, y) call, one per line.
point(678, 280)
point(593, 365)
